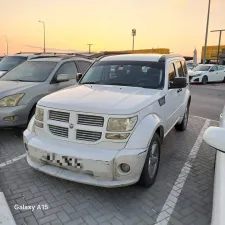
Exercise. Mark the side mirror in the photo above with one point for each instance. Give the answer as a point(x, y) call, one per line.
point(78, 77)
point(214, 136)
point(62, 78)
point(211, 70)
point(178, 82)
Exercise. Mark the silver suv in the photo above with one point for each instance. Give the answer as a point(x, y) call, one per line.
point(23, 86)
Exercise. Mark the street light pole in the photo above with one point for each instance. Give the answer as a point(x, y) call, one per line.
point(220, 35)
point(7, 44)
point(89, 47)
point(44, 31)
point(133, 35)
point(206, 32)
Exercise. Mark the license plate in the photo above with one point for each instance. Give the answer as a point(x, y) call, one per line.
point(62, 160)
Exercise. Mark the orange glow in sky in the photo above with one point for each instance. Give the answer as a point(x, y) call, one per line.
point(107, 24)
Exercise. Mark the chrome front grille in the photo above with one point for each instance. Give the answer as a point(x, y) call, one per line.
point(59, 116)
point(85, 135)
point(59, 131)
point(88, 120)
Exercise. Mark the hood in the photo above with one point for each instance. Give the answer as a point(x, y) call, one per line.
point(192, 73)
point(15, 86)
point(2, 73)
point(102, 99)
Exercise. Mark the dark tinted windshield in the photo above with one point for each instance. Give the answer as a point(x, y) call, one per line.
point(126, 73)
point(201, 68)
point(9, 62)
point(30, 71)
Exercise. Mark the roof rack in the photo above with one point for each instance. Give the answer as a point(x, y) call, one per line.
point(167, 56)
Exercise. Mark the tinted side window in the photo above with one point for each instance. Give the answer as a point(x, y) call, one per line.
point(83, 65)
point(180, 69)
point(68, 68)
point(184, 65)
point(171, 72)
point(214, 68)
point(221, 68)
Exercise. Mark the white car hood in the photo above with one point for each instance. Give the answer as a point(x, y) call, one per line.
point(192, 73)
point(2, 73)
point(102, 99)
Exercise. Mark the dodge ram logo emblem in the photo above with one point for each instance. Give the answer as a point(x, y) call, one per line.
point(71, 126)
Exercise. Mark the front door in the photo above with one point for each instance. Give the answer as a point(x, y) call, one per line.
point(68, 68)
point(213, 74)
point(172, 100)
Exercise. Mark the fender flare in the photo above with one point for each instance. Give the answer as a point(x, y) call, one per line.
point(144, 131)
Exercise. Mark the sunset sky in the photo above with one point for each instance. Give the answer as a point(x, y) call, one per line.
point(107, 24)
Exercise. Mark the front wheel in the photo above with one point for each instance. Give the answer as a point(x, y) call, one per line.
point(205, 80)
point(183, 125)
point(151, 165)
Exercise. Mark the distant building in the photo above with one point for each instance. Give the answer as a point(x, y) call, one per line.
point(222, 57)
point(211, 53)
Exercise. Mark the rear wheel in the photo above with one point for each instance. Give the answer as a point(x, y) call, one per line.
point(205, 80)
point(151, 165)
point(183, 125)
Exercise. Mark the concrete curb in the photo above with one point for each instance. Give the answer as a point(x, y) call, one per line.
point(6, 217)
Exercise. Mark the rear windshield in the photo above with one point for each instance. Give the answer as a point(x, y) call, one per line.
point(30, 71)
point(10, 62)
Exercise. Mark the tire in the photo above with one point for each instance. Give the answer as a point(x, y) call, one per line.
point(183, 125)
point(151, 165)
point(205, 80)
point(32, 112)
point(223, 80)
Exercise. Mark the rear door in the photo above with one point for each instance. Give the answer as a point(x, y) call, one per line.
point(68, 68)
point(221, 73)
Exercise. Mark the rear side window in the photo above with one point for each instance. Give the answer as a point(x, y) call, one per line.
point(180, 69)
point(83, 65)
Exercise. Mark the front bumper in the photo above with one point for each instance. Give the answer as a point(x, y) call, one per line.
point(195, 79)
point(99, 167)
point(21, 112)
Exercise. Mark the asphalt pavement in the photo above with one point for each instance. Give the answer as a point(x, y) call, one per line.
point(207, 100)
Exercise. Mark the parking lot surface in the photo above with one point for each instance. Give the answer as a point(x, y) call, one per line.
point(182, 193)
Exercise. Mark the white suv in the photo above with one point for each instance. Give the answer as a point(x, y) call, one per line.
point(108, 130)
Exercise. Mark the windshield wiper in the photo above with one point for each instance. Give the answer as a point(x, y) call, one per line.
point(119, 84)
point(21, 80)
point(92, 82)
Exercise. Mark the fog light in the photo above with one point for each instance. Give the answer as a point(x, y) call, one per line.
point(125, 167)
point(38, 124)
point(116, 135)
point(10, 118)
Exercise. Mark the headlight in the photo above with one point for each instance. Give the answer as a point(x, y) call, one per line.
point(39, 114)
point(30, 126)
point(11, 100)
point(121, 124)
point(196, 75)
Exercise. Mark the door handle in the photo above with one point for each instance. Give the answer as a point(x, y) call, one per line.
point(179, 90)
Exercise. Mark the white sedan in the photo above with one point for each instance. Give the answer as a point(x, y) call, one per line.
point(215, 137)
point(204, 73)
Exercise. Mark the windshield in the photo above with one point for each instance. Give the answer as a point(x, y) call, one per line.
point(126, 73)
point(201, 68)
point(9, 62)
point(30, 71)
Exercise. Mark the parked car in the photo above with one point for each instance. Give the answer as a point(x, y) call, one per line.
point(108, 130)
point(204, 73)
point(22, 87)
point(9, 62)
point(215, 137)
point(1, 58)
